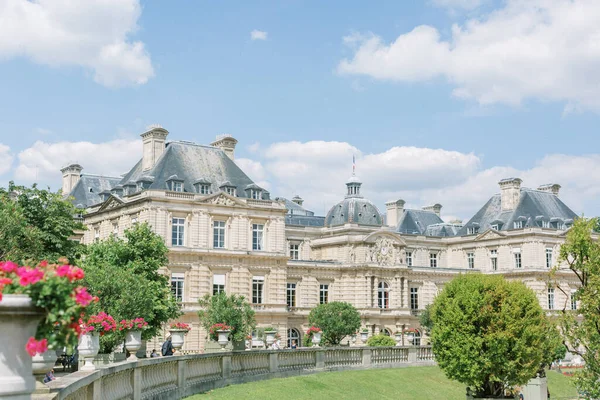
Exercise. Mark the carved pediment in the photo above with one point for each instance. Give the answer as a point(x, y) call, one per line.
point(490, 234)
point(223, 199)
point(112, 202)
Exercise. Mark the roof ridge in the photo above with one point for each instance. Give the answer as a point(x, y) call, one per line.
point(190, 143)
point(102, 176)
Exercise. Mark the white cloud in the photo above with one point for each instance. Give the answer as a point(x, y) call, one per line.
point(6, 159)
point(254, 147)
point(255, 171)
point(42, 162)
point(92, 34)
point(318, 170)
point(536, 49)
point(258, 35)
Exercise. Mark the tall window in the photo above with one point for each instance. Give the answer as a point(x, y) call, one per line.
point(294, 251)
point(96, 235)
point(258, 283)
point(291, 295)
point(573, 300)
point(518, 224)
point(257, 236)
point(218, 234)
point(230, 190)
point(218, 284)
point(293, 336)
point(409, 258)
point(550, 298)
point(204, 189)
point(255, 194)
point(494, 259)
point(414, 298)
point(433, 260)
point(177, 231)
point(548, 258)
point(177, 186)
point(323, 294)
point(517, 256)
point(417, 339)
point(177, 285)
point(115, 229)
point(383, 295)
point(471, 260)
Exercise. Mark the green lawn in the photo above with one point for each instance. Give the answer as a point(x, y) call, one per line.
point(421, 383)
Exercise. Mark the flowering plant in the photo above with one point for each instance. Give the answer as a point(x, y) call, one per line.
point(54, 288)
point(101, 323)
point(217, 327)
point(137, 324)
point(180, 325)
point(269, 329)
point(312, 330)
point(365, 330)
point(410, 330)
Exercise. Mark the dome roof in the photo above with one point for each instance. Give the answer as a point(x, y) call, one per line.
point(354, 210)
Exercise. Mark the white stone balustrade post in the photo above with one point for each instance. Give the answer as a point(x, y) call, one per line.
point(181, 377)
point(412, 354)
point(226, 367)
point(137, 383)
point(320, 358)
point(366, 357)
point(273, 362)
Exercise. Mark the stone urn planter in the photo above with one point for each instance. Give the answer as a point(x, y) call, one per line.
point(316, 339)
point(364, 335)
point(398, 338)
point(177, 338)
point(89, 345)
point(18, 322)
point(270, 337)
point(133, 342)
point(223, 338)
point(41, 364)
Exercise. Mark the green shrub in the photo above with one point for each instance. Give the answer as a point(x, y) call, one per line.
point(380, 340)
point(336, 319)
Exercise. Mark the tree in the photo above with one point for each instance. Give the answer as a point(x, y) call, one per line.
point(337, 320)
point(125, 276)
point(490, 334)
point(425, 319)
point(380, 340)
point(37, 224)
point(233, 311)
point(581, 252)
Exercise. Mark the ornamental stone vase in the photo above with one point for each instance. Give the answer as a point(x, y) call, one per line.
point(223, 339)
point(18, 322)
point(270, 337)
point(398, 338)
point(177, 338)
point(364, 336)
point(316, 339)
point(133, 342)
point(89, 345)
point(42, 364)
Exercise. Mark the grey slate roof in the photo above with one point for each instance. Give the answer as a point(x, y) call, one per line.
point(300, 216)
point(191, 162)
point(417, 222)
point(355, 210)
point(534, 206)
point(294, 208)
point(86, 191)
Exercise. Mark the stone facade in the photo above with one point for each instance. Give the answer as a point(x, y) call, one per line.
point(221, 240)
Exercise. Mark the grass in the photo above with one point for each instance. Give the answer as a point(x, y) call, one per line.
point(423, 383)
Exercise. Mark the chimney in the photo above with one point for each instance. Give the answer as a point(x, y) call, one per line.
point(226, 143)
point(553, 188)
point(298, 200)
point(70, 177)
point(394, 211)
point(154, 145)
point(436, 208)
point(510, 193)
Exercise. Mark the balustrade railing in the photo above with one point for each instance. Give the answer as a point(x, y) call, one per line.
point(177, 377)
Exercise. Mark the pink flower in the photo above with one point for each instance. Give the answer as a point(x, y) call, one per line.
point(29, 276)
point(63, 270)
point(8, 266)
point(5, 281)
point(34, 347)
point(76, 274)
point(82, 296)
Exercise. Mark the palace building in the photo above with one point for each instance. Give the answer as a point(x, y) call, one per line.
point(226, 233)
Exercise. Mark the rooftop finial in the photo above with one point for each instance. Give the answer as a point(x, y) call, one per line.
point(353, 165)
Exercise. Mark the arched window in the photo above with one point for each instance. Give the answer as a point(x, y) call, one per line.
point(417, 340)
point(383, 295)
point(293, 335)
point(386, 332)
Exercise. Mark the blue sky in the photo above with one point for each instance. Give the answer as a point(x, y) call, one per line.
point(493, 106)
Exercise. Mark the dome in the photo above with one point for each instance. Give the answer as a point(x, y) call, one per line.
point(354, 210)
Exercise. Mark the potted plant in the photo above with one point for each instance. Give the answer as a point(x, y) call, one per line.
point(410, 334)
point(364, 334)
point(133, 335)
point(39, 307)
point(316, 335)
point(221, 332)
point(398, 338)
point(270, 333)
point(89, 340)
point(178, 330)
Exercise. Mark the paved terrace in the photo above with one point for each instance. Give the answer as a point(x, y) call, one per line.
point(178, 377)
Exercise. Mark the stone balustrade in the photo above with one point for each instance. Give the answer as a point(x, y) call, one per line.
point(181, 376)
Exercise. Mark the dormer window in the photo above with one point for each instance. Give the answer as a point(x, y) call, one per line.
point(204, 189)
point(230, 191)
point(202, 186)
point(144, 182)
point(129, 188)
point(253, 191)
point(228, 188)
point(255, 194)
point(175, 184)
point(472, 230)
point(518, 224)
point(495, 227)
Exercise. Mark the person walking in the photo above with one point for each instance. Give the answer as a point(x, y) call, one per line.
point(167, 347)
point(154, 354)
point(294, 345)
point(276, 345)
